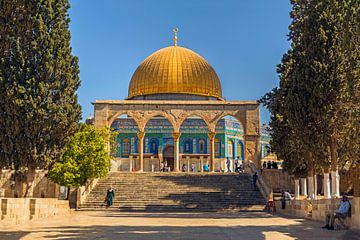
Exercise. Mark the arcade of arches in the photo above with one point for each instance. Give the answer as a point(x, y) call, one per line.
point(175, 113)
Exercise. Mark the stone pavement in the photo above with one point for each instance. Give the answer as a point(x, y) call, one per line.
point(195, 226)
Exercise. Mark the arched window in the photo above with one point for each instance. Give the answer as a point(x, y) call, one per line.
point(125, 147)
point(230, 147)
point(239, 152)
point(187, 146)
point(154, 145)
point(202, 146)
point(217, 147)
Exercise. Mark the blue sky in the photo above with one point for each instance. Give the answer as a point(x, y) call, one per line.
point(243, 40)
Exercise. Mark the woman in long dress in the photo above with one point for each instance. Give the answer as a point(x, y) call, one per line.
point(109, 197)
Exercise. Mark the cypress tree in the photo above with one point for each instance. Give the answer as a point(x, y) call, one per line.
point(317, 104)
point(319, 82)
point(39, 77)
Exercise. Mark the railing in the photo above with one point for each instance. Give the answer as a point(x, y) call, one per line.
point(264, 188)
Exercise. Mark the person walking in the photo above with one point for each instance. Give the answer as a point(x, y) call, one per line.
point(162, 167)
point(192, 168)
point(109, 197)
point(228, 164)
point(255, 178)
point(286, 196)
point(237, 165)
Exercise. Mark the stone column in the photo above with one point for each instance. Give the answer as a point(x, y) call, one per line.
point(188, 163)
point(176, 136)
point(303, 187)
point(310, 180)
point(212, 151)
point(335, 177)
point(140, 136)
point(297, 188)
point(327, 194)
point(130, 163)
point(335, 184)
point(201, 164)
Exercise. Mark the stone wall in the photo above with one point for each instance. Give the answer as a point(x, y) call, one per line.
point(20, 210)
point(6, 182)
point(316, 209)
point(43, 187)
point(278, 180)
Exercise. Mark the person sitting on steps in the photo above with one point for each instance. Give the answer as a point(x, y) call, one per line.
point(342, 212)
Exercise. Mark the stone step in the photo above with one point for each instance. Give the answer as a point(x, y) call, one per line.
point(176, 192)
point(256, 208)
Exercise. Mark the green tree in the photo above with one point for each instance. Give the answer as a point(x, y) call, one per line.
point(319, 80)
point(318, 100)
point(284, 141)
point(39, 77)
point(86, 157)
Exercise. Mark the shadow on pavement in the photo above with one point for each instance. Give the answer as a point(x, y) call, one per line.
point(118, 229)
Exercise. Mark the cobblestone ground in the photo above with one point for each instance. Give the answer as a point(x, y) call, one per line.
point(194, 226)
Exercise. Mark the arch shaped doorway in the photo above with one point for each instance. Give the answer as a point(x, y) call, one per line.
point(168, 155)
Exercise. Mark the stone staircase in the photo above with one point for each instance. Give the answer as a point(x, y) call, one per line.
point(177, 192)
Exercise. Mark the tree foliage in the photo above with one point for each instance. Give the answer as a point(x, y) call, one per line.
point(86, 157)
point(39, 77)
point(317, 103)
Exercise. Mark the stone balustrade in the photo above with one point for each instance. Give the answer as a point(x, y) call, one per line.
point(264, 188)
point(20, 210)
point(84, 191)
point(316, 209)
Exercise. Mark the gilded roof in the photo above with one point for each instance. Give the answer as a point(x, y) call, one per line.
point(175, 69)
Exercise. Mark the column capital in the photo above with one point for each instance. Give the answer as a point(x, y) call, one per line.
point(211, 135)
point(176, 136)
point(140, 134)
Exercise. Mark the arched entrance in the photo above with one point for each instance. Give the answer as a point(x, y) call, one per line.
point(168, 155)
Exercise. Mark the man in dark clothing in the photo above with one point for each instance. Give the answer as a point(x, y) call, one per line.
point(255, 177)
point(264, 165)
point(268, 165)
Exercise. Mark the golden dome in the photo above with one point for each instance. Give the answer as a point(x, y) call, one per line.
point(175, 70)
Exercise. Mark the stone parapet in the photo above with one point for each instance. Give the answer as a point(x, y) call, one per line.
point(278, 180)
point(21, 210)
point(317, 209)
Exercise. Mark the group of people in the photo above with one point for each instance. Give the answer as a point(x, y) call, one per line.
point(270, 165)
point(184, 168)
point(164, 167)
point(239, 167)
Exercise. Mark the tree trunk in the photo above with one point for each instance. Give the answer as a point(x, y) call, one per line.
point(30, 178)
point(335, 178)
point(356, 182)
point(18, 186)
point(310, 178)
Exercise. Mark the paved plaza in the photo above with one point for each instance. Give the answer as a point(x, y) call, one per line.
point(195, 226)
